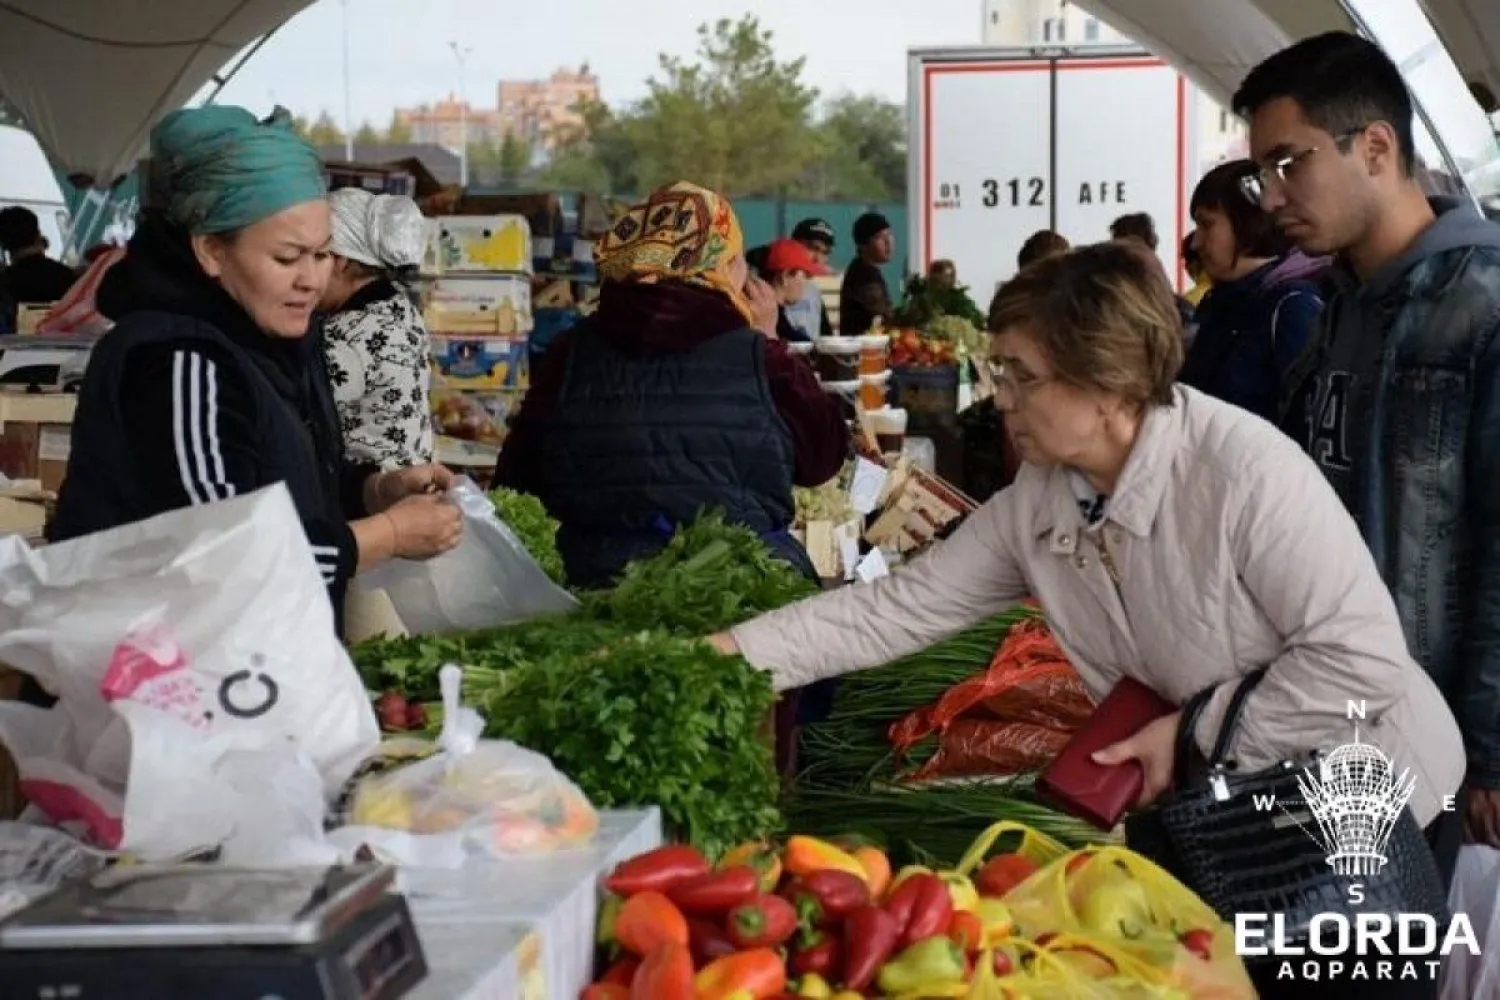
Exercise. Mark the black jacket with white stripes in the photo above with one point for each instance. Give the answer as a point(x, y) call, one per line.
point(186, 402)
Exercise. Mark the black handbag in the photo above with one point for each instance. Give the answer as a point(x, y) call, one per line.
point(1210, 834)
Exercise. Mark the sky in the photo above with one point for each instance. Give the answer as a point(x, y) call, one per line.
point(399, 52)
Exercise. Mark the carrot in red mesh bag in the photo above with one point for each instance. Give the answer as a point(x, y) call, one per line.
point(1013, 717)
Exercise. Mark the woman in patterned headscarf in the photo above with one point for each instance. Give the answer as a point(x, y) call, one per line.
point(673, 398)
point(228, 392)
point(378, 347)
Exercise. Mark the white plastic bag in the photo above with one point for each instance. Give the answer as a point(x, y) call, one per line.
point(489, 579)
point(1475, 892)
point(473, 796)
point(172, 644)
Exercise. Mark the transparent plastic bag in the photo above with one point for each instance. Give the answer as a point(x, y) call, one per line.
point(486, 796)
point(488, 580)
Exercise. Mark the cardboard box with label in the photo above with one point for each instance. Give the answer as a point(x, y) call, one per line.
point(36, 435)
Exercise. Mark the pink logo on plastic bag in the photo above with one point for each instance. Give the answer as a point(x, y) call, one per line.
point(148, 667)
point(65, 804)
point(141, 657)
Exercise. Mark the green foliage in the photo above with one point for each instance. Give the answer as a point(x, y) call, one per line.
point(325, 131)
point(536, 529)
point(710, 576)
point(623, 696)
point(654, 719)
point(712, 118)
point(366, 134)
point(398, 131)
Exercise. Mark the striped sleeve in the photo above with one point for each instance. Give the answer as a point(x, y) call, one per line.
point(190, 418)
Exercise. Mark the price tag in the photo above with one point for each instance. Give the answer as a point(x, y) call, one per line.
point(872, 567)
point(868, 485)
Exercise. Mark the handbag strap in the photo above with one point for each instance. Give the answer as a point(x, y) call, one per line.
point(1192, 711)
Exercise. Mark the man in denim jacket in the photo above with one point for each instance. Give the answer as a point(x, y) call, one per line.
point(1398, 395)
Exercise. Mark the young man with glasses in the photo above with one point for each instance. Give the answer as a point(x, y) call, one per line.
point(1397, 397)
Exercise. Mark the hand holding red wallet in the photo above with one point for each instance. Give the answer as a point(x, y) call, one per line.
point(1135, 728)
point(1154, 749)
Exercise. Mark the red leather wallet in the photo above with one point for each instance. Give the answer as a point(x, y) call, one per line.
point(1098, 793)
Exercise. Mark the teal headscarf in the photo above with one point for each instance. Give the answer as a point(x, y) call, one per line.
point(216, 169)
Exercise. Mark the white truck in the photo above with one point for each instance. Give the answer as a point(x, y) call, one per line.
point(1007, 141)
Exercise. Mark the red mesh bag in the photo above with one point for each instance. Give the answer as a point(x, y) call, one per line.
point(1014, 717)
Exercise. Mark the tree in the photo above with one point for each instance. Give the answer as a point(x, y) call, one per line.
point(863, 141)
point(596, 156)
point(325, 131)
point(300, 123)
point(736, 120)
point(399, 130)
point(366, 135)
point(514, 157)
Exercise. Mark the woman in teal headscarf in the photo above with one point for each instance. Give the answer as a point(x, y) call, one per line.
point(213, 306)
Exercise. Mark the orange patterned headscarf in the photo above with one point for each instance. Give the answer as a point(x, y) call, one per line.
point(680, 233)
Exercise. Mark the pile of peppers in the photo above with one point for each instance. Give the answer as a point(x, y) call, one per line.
point(814, 919)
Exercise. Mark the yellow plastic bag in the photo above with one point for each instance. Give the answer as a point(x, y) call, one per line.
point(1113, 897)
point(1034, 846)
point(1069, 967)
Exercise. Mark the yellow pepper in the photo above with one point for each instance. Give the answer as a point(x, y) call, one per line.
point(961, 889)
point(805, 855)
point(998, 923)
point(848, 995)
point(759, 856)
point(814, 985)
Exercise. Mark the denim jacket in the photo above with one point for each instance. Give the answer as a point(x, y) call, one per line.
point(1428, 472)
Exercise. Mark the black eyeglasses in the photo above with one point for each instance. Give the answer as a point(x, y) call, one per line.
point(1254, 186)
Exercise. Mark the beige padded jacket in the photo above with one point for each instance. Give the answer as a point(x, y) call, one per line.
point(1231, 552)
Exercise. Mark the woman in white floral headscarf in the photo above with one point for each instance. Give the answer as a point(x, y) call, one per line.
point(376, 341)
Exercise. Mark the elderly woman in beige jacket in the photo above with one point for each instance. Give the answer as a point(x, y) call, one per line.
point(1169, 537)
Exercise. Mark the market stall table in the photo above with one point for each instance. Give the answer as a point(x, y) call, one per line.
point(523, 929)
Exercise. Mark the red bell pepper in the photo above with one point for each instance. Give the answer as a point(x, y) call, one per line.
point(707, 941)
point(605, 991)
point(966, 930)
point(922, 906)
point(822, 953)
point(666, 974)
point(748, 975)
point(829, 896)
point(765, 921)
point(647, 921)
point(715, 893)
point(657, 871)
point(872, 934)
point(622, 973)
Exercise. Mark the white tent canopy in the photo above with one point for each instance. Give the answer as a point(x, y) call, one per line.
point(90, 77)
point(1216, 42)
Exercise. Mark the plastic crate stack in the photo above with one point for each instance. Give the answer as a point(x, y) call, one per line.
point(477, 303)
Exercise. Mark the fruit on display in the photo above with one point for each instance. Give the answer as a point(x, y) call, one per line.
point(912, 348)
point(1034, 921)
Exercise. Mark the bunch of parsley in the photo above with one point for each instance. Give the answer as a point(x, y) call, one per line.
point(536, 529)
point(652, 719)
point(711, 575)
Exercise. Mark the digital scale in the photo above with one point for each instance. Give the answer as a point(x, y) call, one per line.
point(200, 931)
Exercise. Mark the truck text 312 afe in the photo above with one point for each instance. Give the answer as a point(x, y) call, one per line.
point(1029, 191)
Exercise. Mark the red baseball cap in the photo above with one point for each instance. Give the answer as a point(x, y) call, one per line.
point(789, 255)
